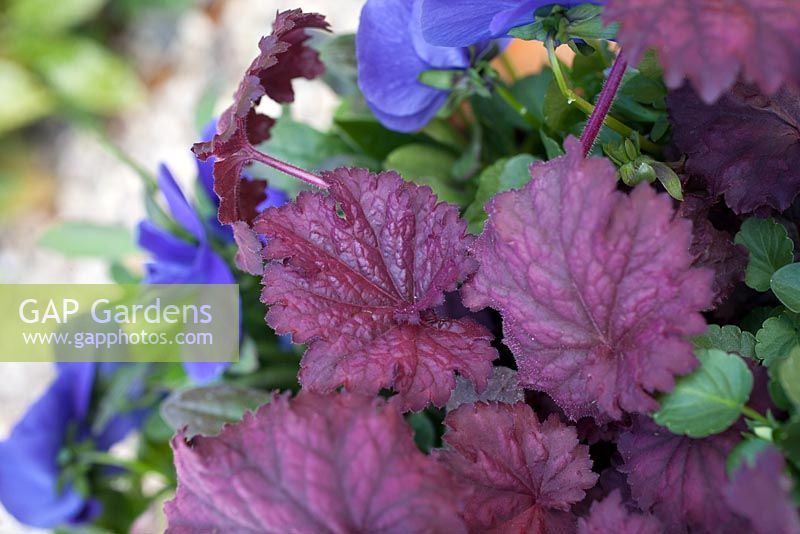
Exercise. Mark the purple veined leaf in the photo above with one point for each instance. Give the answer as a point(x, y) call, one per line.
point(713, 42)
point(284, 56)
point(595, 287)
point(679, 479)
point(337, 463)
point(762, 493)
point(611, 515)
point(519, 475)
point(713, 249)
point(357, 273)
point(745, 147)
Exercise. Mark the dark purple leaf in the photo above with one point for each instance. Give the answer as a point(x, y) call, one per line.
point(284, 56)
point(595, 287)
point(713, 249)
point(745, 147)
point(712, 42)
point(356, 275)
point(611, 515)
point(338, 463)
point(762, 493)
point(679, 479)
point(519, 475)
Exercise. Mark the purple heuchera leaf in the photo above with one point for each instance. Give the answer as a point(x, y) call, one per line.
point(466, 22)
point(679, 479)
point(283, 57)
point(356, 274)
point(712, 42)
point(519, 475)
point(745, 147)
point(595, 287)
point(762, 493)
point(713, 249)
point(338, 463)
point(611, 515)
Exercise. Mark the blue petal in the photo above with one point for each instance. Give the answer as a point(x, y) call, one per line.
point(205, 169)
point(462, 22)
point(413, 122)
point(163, 245)
point(28, 468)
point(389, 63)
point(275, 199)
point(180, 208)
point(466, 22)
point(204, 372)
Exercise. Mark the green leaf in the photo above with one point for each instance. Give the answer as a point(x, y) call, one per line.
point(204, 410)
point(24, 98)
point(118, 393)
point(745, 451)
point(787, 437)
point(424, 432)
point(727, 338)
point(338, 54)
point(710, 399)
point(785, 283)
point(530, 91)
point(789, 376)
point(770, 249)
point(502, 175)
point(86, 239)
point(755, 318)
point(427, 165)
point(778, 337)
point(85, 75)
point(308, 148)
point(47, 17)
point(362, 131)
point(559, 115)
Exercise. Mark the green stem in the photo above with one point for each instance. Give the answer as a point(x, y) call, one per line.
point(104, 458)
point(517, 106)
point(587, 107)
point(755, 416)
point(512, 72)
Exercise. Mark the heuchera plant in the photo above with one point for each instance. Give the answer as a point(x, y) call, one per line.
point(597, 331)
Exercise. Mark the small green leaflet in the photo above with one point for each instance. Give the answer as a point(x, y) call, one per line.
point(710, 399)
point(86, 239)
point(787, 437)
point(502, 175)
point(770, 249)
point(728, 338)
point(205, 410)
point(785, 283)
point(789, 376)
point(778, 337)
point(427, 165)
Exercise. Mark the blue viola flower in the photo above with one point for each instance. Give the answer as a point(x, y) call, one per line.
point(391, 56)
point(179, 261)
point(29, 458)
point(466, 22)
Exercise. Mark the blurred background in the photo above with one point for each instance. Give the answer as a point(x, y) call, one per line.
point(87, 84)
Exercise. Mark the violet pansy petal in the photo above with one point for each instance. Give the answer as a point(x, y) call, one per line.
point(388, 64)
point(181, 210)
point(163, 245)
